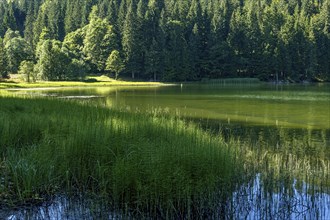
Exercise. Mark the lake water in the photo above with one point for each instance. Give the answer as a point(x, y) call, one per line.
point(284, 130)
point(299, 106)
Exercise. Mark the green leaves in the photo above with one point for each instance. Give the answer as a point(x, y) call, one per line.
point(177, 40)
point(53, 62)
point(132, 41)
point(115, 63)
point(3, 61)
point(99, 41)
point(74, 43)
point(17, 50)
point(26, 68)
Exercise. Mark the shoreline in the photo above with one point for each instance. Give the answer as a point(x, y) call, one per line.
point(18, 85)
point(64, 84)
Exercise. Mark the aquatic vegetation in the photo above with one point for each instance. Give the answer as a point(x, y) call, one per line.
point(281, 155)
point(139, 162)
point(150, 158)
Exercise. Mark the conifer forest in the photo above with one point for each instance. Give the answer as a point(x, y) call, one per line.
point(166, 40)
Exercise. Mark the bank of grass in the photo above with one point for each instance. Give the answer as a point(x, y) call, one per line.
point(143, 163)
point(16, 82)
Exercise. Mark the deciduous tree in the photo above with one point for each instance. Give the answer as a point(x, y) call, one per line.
point(115, 63)
point(100, 39)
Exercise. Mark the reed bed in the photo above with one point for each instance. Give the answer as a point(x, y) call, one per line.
point(151, 164)
point(140, 163)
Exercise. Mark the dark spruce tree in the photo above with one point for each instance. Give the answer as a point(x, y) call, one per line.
point(181, 39)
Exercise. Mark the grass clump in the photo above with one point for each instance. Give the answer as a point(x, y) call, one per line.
point(141, 163)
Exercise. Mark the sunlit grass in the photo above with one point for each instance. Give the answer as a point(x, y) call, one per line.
point(141, 162)
point(90, 81)
point(5, 85)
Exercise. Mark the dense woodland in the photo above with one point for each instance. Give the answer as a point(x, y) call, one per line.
point(168, 40)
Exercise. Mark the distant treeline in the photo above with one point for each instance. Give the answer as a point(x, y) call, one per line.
point(169, 40)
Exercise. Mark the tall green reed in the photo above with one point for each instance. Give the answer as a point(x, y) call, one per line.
point(141, 162)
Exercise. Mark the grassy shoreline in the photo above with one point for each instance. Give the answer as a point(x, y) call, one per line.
point(154, 164)
point(12, 85)
point(16, 83)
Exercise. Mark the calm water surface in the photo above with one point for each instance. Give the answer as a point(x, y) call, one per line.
point(300, 106)
point(278, 124)
point(244, 111)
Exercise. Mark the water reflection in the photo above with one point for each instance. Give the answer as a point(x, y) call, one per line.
point(276, 139)
point(254, 201)
point(63, 207)
point(288, 106)
point(251, 201)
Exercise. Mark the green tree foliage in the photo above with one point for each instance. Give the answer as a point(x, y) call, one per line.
point(44, 35)
point(131, 41)
point(77, 69)
point(31, 16)
point(8, 17)
point(100, 39)
point(50, 16)
point(53, 62)
point(154, 61)
point(115, 63)
point(321, 29)
point(26, 69)
point(73, 18)
point(17, 49)
point(176, 59)
point(74, 43)
point(178, 39)
point(3, 60)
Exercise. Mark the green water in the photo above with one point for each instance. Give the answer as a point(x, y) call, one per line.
point(294, 106)
point(284, 131)
point(264, 114)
